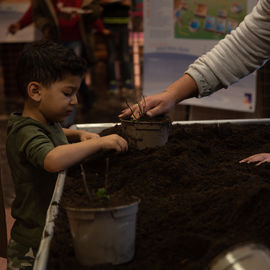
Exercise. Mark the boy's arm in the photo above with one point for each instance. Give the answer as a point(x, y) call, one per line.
point(76, 135)
point(64, 156)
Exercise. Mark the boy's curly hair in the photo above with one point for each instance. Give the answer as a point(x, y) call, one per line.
point(46, 62)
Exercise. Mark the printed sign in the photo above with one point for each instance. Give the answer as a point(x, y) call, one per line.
point(176, 32)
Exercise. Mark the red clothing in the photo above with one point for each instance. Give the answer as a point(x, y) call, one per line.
point(68, 22)
point(98, 24)
point(27, 18)
point(69, 27)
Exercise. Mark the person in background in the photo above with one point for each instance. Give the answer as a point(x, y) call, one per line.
point(137, 15)
point(240, 53)
point(27, 19)
point(116, 18)
point(24, 21)
point(86, 92)
point(49, 76)
point(71, 23)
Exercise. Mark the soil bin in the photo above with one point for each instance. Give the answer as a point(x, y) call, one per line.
point(197, 200)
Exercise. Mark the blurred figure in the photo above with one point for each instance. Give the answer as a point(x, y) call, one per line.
point(24, 21)
point(72, 24)
point(137, 15)
point(116, 19)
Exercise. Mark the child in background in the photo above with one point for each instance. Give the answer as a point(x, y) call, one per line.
point(116, 19)
point(49, 76)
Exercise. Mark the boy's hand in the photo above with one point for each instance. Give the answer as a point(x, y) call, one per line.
point(258, 158)
point(84, 135)
point(114, 142)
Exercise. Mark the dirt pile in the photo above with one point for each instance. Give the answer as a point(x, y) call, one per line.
point(196, 199)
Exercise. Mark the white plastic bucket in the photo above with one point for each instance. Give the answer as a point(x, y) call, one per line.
point(103, 235)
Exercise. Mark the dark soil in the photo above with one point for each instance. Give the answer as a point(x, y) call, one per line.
point(197, 200)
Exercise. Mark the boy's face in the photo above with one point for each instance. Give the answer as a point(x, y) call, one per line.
point(58, 100)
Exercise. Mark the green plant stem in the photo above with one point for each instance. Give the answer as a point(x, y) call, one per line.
point(84, 182)
point(107, 173)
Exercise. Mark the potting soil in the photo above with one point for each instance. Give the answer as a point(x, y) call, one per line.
point(197, 200)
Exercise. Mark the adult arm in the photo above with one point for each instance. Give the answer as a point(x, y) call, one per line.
point(27, 18)
point(258, 159)
point(24, 21)
point(237, 55)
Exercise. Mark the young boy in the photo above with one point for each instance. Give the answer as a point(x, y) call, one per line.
point(49, 77)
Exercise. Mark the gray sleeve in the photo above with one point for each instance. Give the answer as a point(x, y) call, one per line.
point(240, 53)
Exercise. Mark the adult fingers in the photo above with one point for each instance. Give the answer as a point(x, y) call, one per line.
point(133, 111)
point(266, 160)
point(156, 111)
point(255, 158)
point(252, 158)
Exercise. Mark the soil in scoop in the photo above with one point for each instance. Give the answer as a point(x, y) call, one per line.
point(196, 199)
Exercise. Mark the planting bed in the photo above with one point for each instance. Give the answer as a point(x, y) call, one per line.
point(196, 199)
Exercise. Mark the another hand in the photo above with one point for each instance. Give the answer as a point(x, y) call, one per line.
point(106, 32)
point(13, 28)
point(47, 32)
point(85, 135)
point(258, 158)
point(152, 105)
point(126, 3)
point(114, 142)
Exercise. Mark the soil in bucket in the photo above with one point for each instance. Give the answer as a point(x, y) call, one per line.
point(146, 132)
point(196, 199)
point(104, 232)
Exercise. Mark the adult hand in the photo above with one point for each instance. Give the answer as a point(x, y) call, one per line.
point(258, 158)
point(106, 32)
point(13, 28)
point(183, 88)
point(151, 105)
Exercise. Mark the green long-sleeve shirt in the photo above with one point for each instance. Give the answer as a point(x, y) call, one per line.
point(28, 143)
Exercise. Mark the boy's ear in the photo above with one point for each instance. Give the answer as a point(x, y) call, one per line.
point(34, 91)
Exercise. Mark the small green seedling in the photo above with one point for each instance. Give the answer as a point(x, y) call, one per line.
point(101, 193)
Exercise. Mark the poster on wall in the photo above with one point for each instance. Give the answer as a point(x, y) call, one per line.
point(10, 12)
point(176, 32)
